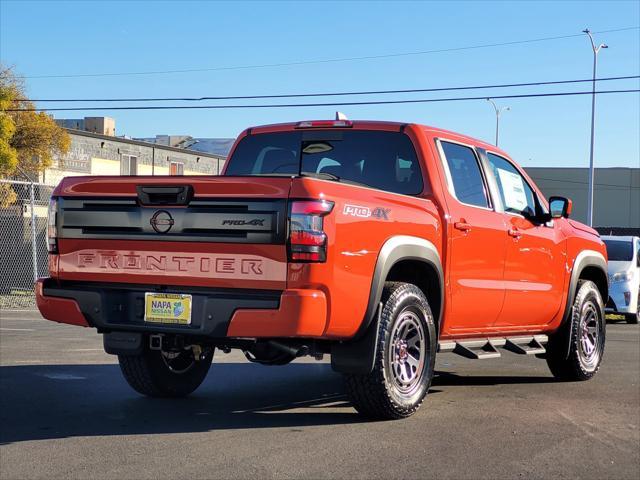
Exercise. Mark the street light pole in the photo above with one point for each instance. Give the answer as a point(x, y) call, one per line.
point(593, 119)
point(498, 112)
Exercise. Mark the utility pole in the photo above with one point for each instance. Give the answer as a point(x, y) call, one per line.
point(593, 119)
point(498, 112)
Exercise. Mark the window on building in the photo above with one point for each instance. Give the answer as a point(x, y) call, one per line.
point(466, 179)
point(129, 165)
point(176, 168)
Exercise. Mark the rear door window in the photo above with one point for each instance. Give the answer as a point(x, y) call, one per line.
point(464, 171)
point(378, 159)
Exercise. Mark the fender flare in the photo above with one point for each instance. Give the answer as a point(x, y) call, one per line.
point(584, 259)
point(358, 354)
point(394, 250)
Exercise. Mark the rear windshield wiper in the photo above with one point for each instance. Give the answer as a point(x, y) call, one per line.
point(331, 176)
point(324, 175)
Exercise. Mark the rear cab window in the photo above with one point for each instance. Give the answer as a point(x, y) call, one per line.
point(377, 159)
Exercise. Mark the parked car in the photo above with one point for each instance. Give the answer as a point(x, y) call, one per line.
point(378, 243)
point(624, 276)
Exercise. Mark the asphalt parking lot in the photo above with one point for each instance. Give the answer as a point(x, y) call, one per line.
point(65, 411)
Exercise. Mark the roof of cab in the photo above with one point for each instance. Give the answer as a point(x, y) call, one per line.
point(382, 125)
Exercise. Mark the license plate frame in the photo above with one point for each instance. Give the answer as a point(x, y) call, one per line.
point(170, 309)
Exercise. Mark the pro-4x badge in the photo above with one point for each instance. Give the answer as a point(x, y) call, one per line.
point(381, 213)
point(256, 222)
point(366, 212)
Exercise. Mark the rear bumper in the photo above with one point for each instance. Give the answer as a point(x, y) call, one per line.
point(57, 309)
point(216, 313)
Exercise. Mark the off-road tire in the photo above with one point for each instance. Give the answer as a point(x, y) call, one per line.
point(579, 365)
point(150, 375)
point(376, 395)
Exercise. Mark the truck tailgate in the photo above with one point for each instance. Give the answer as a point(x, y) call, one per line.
point(228, 232)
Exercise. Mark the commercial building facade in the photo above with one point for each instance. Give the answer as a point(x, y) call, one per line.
point(99, 154)
point(616, 196)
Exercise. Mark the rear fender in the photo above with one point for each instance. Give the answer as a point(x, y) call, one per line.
point(357, 355)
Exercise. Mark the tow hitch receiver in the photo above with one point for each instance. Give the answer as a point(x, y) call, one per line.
point(155, 342)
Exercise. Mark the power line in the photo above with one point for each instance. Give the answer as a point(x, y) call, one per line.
point(332, 104)
point(578, 182)
point(326, 94)
point(321, 61)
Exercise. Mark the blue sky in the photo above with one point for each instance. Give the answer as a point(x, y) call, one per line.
point(48, 38)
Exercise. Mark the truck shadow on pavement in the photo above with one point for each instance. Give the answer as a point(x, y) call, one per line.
point(39, 402)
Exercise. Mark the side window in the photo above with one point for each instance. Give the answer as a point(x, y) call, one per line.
point(517, 196)
point(404, 170)
point(466, 177)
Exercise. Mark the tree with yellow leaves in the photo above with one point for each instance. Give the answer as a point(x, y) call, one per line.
point(28, 139)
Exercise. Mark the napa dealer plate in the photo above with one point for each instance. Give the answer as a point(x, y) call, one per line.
point(167, 308)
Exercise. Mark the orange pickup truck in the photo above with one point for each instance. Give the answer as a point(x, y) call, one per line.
point(379, 243)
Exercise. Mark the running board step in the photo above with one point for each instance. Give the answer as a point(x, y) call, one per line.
point(525, 346)
point(485, 348)
point(480, 350)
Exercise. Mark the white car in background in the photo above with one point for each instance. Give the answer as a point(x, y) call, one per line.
point(624, 276)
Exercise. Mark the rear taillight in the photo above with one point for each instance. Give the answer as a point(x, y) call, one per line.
point(52, 229)
point(307, 240)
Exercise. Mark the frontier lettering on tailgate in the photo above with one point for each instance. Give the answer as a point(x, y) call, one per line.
point(192, 264)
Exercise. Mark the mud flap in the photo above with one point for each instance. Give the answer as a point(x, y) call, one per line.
point(123, 343)
point(357, 356)
point(560, 340)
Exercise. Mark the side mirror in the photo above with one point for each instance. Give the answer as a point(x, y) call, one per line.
point(560, 207)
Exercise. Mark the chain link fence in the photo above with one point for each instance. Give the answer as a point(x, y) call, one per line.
point(23, 242)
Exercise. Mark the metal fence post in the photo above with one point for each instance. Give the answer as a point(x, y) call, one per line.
point(34, 248)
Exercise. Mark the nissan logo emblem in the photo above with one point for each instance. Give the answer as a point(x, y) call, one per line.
point(161, 221)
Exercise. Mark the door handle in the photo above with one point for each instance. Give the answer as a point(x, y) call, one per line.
point(463, 226)
point(514, 232)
